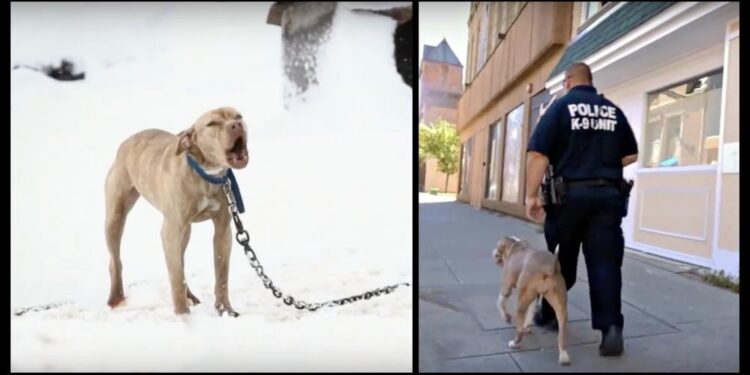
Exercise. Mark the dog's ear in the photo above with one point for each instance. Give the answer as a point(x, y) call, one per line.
point(184, 140)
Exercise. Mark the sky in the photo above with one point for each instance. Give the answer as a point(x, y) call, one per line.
point(438, 20)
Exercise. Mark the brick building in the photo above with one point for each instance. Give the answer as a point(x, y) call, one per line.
point(672, 67)
point(440, 87)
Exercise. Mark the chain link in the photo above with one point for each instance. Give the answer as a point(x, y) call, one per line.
point(48, 306)
point(243, 238)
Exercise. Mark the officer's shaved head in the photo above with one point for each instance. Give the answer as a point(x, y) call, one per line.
point(577, 74)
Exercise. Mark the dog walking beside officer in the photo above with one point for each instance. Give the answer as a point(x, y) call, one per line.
point(580, 147)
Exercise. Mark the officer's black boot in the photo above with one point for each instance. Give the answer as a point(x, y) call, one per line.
point(611, 342)
point(546, 320)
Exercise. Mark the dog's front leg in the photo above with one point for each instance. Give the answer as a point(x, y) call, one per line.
point(502, 306)
point(222, 250)
point(502, 303)
point(174, 238)
point(502, 298)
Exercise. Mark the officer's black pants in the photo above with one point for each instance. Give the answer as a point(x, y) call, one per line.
point(590, 216)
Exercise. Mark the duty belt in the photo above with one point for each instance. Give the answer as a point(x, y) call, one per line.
point(598, 182)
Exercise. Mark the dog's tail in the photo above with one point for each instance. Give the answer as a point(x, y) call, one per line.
point(549, 270)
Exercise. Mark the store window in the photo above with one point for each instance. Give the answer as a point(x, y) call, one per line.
point(484, 24)
point(682, 126)
point(465, 166)
point(512, 157)
point(539, 103)
point(507, 12)
point(590, 8)
point(491, 189)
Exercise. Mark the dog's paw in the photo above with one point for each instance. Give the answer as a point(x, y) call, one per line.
point(513, 344)
point(116, 302)
point(503, 316)
point(564, 358)
point(229, 312)
point(192, 299)
point(181, 310)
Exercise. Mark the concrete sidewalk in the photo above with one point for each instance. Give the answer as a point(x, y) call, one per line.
point(672, 323)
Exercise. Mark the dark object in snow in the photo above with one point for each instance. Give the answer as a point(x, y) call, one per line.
point(48, 306)
point(25, 67)
point(404, 40)
point(306, 25)
point(64, 72)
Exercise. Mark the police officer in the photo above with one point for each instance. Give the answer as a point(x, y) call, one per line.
point(588, 141)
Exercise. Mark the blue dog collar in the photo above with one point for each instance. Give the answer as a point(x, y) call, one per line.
point(219, 181)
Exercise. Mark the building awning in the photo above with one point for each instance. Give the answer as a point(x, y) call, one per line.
point(636, 38)
point(625, 19)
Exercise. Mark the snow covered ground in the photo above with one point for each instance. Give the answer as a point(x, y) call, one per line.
point(327, 191)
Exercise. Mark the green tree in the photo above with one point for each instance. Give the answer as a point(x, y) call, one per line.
point(423, 139)
point(439, 139)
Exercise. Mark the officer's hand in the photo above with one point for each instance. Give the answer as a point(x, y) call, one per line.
point(534, 209)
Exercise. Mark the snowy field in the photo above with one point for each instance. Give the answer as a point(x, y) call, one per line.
point(327, 190)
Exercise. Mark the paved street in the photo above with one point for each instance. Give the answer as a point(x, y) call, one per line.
point(672, 322)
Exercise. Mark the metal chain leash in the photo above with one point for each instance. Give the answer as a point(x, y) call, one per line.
point(48, 306)
point(243, 238)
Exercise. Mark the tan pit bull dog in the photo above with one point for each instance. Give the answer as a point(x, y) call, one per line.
point(152, 164)
point(535, 273)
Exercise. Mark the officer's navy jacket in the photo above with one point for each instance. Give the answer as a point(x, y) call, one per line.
point(584, 135)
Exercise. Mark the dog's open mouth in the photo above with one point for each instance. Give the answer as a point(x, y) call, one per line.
point(237, 155)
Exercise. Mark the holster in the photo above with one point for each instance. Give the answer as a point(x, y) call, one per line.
point(553, 188)
point(625, 187)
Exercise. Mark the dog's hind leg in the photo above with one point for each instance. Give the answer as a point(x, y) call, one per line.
point(120, 196)
point(529, 321)
point(557, 298)
point(526, 296)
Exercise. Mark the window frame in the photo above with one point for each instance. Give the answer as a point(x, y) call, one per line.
point(483, 46)
point(542, 105)
point(466, 148)
point(493, 163)
point(642, 163)
point(587, 21)
point(585, 16)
